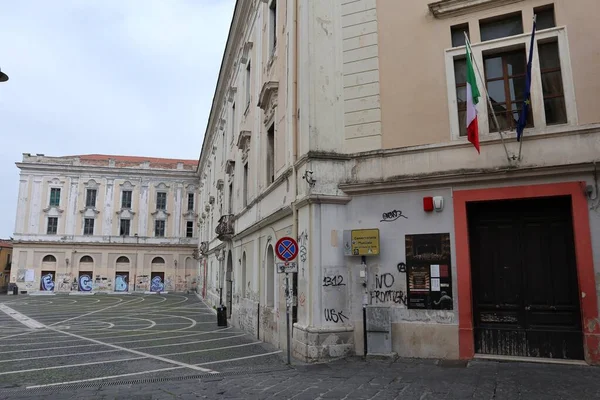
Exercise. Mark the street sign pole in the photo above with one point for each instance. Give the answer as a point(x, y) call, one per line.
point(286, 250)
point(287, 316)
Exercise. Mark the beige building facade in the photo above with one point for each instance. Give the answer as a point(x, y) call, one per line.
point(333, 117)
point(94, 223)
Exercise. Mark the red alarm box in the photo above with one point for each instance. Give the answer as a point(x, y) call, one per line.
point(428, 204)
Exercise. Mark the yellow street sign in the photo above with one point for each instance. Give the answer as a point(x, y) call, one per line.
point(365, 242)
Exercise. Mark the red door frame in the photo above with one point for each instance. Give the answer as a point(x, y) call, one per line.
point(583, 254)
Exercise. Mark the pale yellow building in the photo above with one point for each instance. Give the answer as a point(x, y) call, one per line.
point(95, 223)
point(333, 116)
point(5, 264)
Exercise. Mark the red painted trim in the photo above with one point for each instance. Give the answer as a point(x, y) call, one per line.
point(583, 254)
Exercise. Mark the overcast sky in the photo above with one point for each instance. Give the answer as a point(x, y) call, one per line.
point(132, 77)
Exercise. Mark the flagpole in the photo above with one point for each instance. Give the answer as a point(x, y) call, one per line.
point(526, 105)
point(468, 43)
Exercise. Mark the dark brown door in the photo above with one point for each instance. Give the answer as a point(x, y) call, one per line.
point(524, 277)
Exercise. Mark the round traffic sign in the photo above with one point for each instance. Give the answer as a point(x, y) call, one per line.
point(286, 248)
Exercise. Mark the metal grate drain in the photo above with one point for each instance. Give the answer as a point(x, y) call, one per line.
point(207, 377)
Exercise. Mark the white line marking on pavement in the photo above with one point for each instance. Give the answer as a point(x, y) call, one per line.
point(186, 343)
point(213, 349)
point(241, 358)
point(70, 366)
point(25, 320)
point(59, 355)
point(139, 353)
point(101, 378)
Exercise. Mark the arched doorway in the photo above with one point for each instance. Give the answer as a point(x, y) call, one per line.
point(122, 274)
point(157, 274)
point(85, 279)
point(47, 279)
point(270, 271)
point(229, 283)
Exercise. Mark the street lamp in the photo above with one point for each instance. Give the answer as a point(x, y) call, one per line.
point(3, 76)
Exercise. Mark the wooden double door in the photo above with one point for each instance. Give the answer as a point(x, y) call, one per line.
point(524, 276)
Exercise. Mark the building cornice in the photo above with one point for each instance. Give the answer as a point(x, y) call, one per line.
point(237, 32)
point(266, 221)
point(453, 8)
point(108, 172)
point(452, 178)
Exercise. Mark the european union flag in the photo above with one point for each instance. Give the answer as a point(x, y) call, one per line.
point(527, 102)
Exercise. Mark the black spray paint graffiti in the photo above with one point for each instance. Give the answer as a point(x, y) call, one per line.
point(331, 315)
point(336, 280)
point(303, 243)
point(383, 292)
point(392, 216)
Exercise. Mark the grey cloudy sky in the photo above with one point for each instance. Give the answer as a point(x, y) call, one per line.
point(132, 77)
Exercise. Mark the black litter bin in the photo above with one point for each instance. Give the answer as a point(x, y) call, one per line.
point(15, 289)
point(222, 316)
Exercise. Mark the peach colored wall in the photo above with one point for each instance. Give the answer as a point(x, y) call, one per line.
point(414, 100)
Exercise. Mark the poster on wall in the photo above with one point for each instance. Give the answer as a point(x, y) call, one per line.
point(428, 271)
point(47, 281)
point(86, 283)
point(122, 282)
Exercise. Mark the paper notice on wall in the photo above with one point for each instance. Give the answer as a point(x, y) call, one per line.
point(29, 275)
point(435, 284)
point(435, 271)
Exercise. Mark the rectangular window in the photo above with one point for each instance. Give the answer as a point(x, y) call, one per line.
point(88, 226)
point(161, 201)
point(126, 199)
point(245, 183)
point(232, 122)
point(159, 228)
point(552, 84)
point(230, 206)
point(271, 155)
point(460, 77)
point(125, 227)
point(90, 198)
point(505, 81)
point(248, 82)
point(272, 26)
point(544, 17)
point(189, 229)
point(458, 34)
point(499, 27)
point(55, 197)
point(190, 202)
point(52, 225)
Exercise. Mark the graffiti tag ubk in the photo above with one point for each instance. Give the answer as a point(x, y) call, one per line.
point(331, 315)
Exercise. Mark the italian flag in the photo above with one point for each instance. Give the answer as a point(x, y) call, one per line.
point(472, 100)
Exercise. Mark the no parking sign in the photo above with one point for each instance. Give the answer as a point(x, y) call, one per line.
point(286, 250)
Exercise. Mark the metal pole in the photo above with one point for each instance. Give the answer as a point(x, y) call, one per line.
point(364, 311)
point(287, 316)
point(487, 95)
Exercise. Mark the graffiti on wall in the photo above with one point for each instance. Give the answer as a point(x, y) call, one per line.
point(385, 292)
point(47, 281)
point(335, 316)
point(85, 282)
point(391, 216)
point(157, 283)
point(121, 282)
point(334, 287)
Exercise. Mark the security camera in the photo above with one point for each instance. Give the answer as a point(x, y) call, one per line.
point(308, 171)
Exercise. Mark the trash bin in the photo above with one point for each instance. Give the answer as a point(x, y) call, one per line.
point(15, 289)
point(222, 315)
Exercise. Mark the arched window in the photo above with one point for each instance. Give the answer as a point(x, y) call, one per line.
point(86, 259)
point(123, 260)
point(158, 260)
point(49, 258)
point(270, 270)
point(243, 274)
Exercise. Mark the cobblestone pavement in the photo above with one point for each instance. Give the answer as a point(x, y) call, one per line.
point(358, 379)
point(61, 340)
point(168, 347)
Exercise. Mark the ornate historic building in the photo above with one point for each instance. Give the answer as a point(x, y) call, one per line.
point(105, 223)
